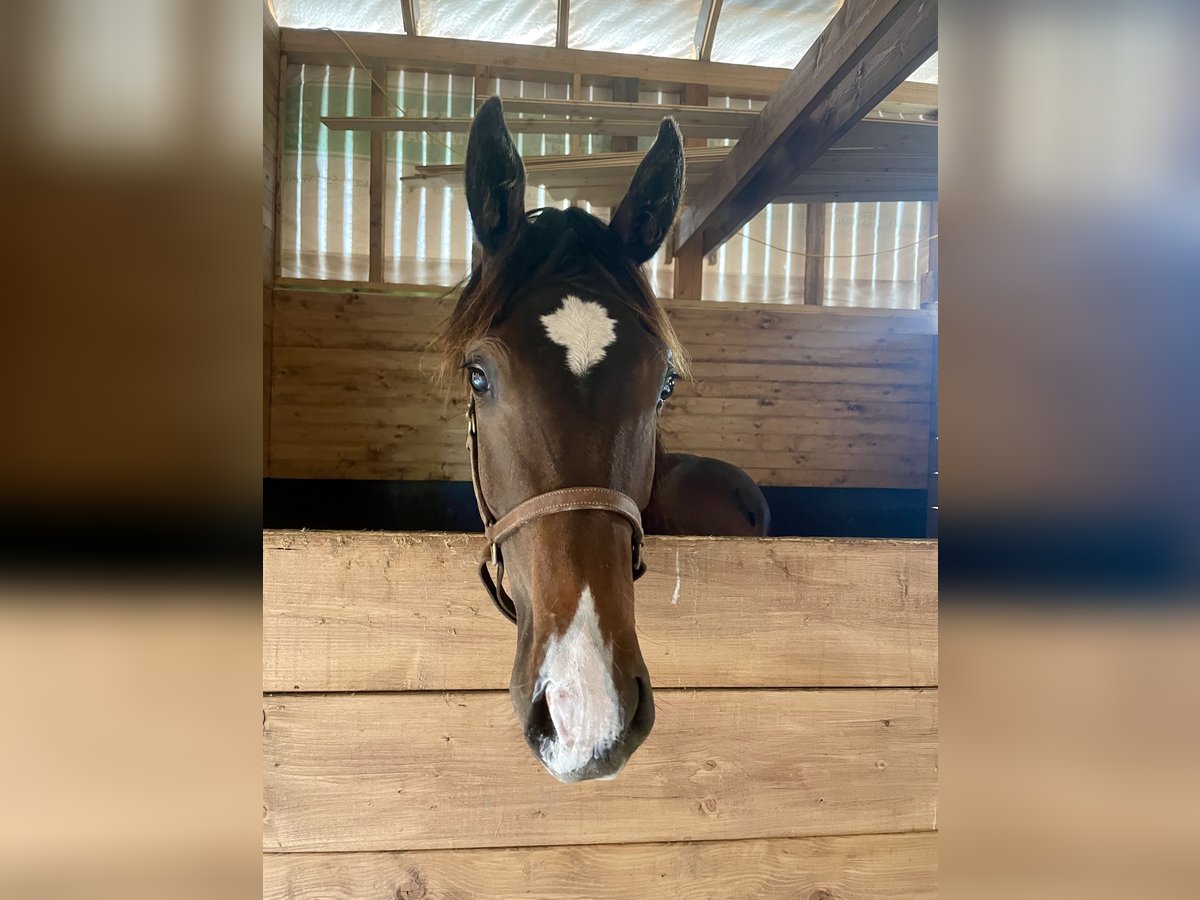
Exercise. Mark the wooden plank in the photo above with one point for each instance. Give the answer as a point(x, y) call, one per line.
point(576, 127)
point(689, 274)
point(625, 90)
point(405, 611)
point(814, 254)
point(284, 465)
point(879, 453)
point(685, 113)
point(929, 280)
point(891, 865)
point(432, 771)
point(377, 172)
point(575, 92)
point(932, 505)
point(562, 29)
point(706, 28)
point(522, 60)
point(697, 95)
point(864, 52)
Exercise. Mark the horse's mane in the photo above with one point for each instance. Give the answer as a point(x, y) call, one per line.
point(561, 245)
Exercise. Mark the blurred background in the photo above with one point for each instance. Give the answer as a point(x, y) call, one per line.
point(131, 462)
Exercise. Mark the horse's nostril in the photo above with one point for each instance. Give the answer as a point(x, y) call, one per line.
point(540, 725)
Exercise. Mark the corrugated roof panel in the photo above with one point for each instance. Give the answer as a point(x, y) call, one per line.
point(508, 21)
point(770, 32)
point(663, 28)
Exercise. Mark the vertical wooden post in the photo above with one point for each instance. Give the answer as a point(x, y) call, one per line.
point(931, 501)
point(483, 89)
point(929, 278)
point(277, 212)
point(562, 30)
point(694, 95)
point(378, 108)
point(689, 272)
point(625, 90)
point(814, 254)
point(574, 93)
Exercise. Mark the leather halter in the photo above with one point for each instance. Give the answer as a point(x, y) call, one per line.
point(570, 499)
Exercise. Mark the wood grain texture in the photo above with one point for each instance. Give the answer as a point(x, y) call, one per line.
point(405, 611)
point(846, 395)
point(440, 771)
point(847, 868)
point(864, 52)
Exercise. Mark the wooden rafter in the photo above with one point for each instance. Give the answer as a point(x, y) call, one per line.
point(865, 52)
point(706, 28)
point(563, 30)
point(876, 160)
point(613, 127)
point(410, 12)
point(556, 64)
point(305, 45)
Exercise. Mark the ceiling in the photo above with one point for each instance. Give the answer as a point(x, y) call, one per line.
point(752, 32)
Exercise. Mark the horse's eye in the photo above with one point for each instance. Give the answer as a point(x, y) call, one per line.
point(479, 382)
point(667, 390)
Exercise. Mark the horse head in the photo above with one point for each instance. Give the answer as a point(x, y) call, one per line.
point(567, 358)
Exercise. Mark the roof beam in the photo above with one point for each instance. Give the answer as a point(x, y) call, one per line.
point(410, 12)
point(310, 45)
point(706, 28)
point(563, 29)
point(864, 53)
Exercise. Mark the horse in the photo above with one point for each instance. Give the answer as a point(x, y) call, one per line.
point(568, 359)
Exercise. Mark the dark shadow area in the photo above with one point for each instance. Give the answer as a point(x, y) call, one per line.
point(450, 506)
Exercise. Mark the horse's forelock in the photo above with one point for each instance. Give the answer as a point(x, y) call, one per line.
point(569, 246)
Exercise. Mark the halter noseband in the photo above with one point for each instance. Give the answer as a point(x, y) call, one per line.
point(496, 531)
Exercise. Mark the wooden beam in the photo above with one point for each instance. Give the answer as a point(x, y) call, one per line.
point(523, 60)
point(896, 865)
point(408, 771)
point(410, 12)
point(615, 127)
point(689, 274)
point(706, 29)
point(562, 30)
point(814, 254)
point(625, 90)
point(696, 95)
point(865, 52)
point(377, 171)
point(649, 112)
point(929, 278)
point(335, 604)
point(575, 92)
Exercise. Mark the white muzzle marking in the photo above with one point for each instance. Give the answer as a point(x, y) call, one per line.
point(584, 707)
point(584, 328)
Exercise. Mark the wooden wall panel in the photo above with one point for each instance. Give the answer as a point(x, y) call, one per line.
point(436, 771)
point(405, 611)
point(796, 395)
point(883, 866)
point(271, 135)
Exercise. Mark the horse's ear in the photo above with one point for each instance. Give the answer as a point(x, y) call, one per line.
point(648, 210)
point(495, 178)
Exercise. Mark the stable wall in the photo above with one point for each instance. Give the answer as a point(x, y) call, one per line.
point(797, 396)
point(794, 752)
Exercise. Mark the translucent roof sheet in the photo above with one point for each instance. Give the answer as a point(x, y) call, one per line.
point(927, 71)
point(770, 32)
point(508, 21)
point(359, 15)
point(662, 28)
point(755, 32)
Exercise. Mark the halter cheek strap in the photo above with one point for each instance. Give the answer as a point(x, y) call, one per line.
point(572, 499)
